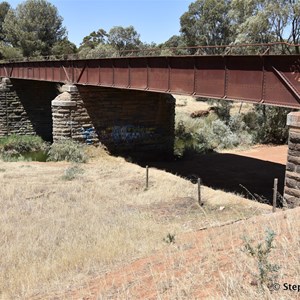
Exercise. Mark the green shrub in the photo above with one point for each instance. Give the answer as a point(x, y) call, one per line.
point(67, 150)
point(22, 143)
point(267, 272)
point(14, 147)
point(209, 134)
point(268, 124)
point(250, 119)
point(271, 124)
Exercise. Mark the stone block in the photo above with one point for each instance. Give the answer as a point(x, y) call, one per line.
point(290, 167)
point(61, 103)
point(70, 88)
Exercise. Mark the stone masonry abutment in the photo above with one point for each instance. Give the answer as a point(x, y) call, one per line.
point(25, 107)
point(136, 123)
point(292, 175)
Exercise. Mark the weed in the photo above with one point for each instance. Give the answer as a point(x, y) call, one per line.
point(169, 239)
point(267, 272)
point(72, 172)
point(67, 150)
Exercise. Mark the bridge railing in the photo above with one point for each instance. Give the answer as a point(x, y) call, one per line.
point(276, 48)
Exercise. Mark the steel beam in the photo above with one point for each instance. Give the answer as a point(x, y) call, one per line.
point(268, 79)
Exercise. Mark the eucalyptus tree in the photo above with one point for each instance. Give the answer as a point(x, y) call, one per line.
point(207, 22)
point(124, 38)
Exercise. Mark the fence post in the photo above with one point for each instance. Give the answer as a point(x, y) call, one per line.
point(199, 192)
point(147, 177)
point(275, 194)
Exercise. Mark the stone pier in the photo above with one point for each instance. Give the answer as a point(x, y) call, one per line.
point(135, 123)
point(292, 175)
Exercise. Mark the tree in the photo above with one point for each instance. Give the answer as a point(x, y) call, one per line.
point(64, 47)
point(265, 21)
point(207, 23)
point(4, 8)
point(34, 27)
point(94, 39)
point(175, 41)
point(124, 38)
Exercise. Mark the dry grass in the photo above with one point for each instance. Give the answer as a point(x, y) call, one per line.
point(209, 264)
point(57, 233)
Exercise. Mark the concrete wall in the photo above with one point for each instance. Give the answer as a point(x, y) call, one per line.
point(137, 123)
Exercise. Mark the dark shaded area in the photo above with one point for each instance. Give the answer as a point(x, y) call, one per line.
point(228, 172)
point(36, 97)
point(131, 123)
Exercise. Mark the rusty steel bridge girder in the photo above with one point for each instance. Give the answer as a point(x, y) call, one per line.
point(267, 79)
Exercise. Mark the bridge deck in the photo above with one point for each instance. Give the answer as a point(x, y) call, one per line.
point(268, 79)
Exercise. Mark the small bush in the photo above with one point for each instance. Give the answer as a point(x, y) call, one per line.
point(72, 172)
point(67, 150)
point(267, 272)
point(169, 239)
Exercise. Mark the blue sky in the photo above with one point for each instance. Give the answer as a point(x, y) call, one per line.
point(154, 20)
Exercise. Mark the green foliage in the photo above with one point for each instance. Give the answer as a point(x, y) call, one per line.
point(221, 108)
point(213, 22)
point(267, 272)
point(67, 150)
point(207, 23)
point(124, 38)
point(22, 143)
point(14, 147)
point(209, 134)
point(185, 139)
point(118, 42)
point(72, 172)
point(64, 47)
point(217, 135)
point(268, 124)
point(94, 39)
point(9, 52)
point(98, 52)
point(4, 8)
point(267, 21)
point(34, 27)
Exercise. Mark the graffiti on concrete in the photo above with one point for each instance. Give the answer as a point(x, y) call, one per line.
point(129, 134)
